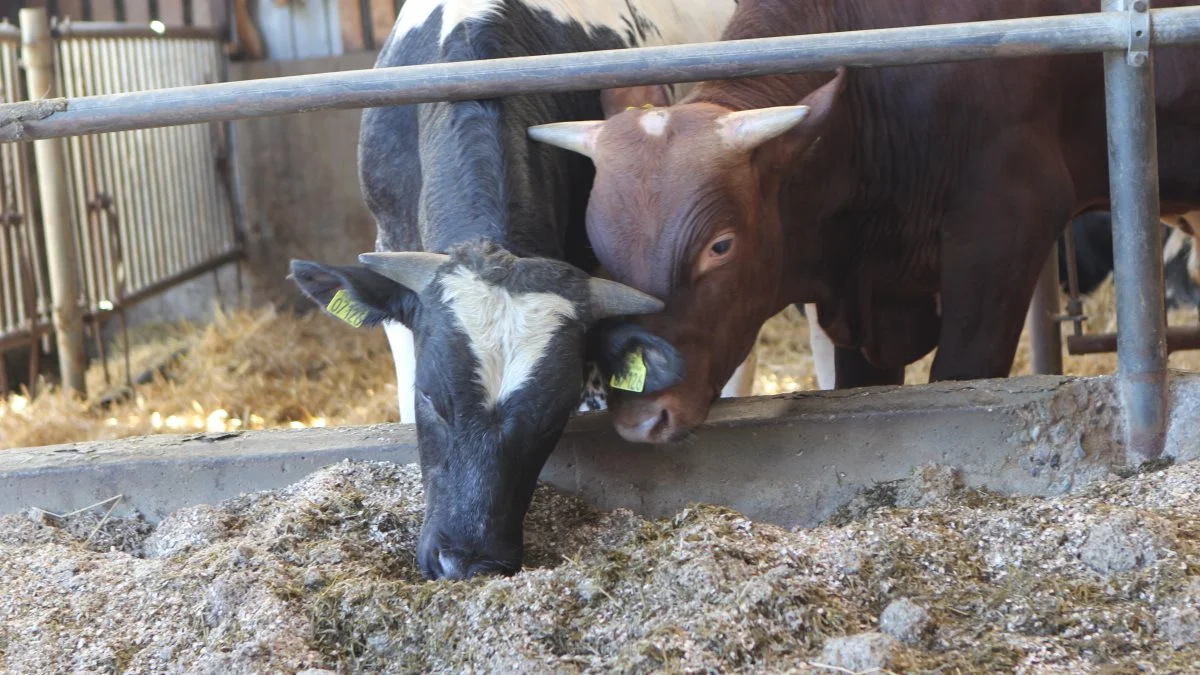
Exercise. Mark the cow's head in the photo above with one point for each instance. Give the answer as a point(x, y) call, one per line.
point(501, 344)
point(684, 207)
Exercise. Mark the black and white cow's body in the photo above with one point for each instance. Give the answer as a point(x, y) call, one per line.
point(438, 174)
point(1094, 258)
point(491, 341)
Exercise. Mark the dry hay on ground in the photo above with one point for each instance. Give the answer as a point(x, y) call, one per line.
point(247, 369)
point(267, 369)
point(321, 575)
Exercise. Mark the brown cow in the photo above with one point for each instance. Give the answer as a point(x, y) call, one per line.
point(914, 206)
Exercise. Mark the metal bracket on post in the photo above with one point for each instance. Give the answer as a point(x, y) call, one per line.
point(1139, 33)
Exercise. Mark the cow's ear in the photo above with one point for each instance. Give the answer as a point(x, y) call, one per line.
point(355, 294)
point(634, 359)
point(616, 101)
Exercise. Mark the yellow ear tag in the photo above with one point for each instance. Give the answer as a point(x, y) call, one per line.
point(346, 309)
point(635, 373)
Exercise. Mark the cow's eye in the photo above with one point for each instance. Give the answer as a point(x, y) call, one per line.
point(718, 252)
point(721, 245)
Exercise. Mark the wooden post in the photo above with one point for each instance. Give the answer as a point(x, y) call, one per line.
point(37, 52)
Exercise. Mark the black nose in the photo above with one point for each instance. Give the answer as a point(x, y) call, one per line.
point(450, 565)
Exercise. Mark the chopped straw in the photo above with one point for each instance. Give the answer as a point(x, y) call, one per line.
point(246, 370)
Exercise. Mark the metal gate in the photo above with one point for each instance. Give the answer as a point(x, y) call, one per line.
point(150, 208)
point(24, 293)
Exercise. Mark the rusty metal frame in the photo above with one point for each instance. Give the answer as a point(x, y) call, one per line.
point(188, 194)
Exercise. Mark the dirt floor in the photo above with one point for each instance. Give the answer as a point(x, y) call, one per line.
point(920, 576)
point(266, 369)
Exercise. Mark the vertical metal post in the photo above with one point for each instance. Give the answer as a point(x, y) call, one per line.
point(1137, 235)
point(37, 52)
point(1045, 335)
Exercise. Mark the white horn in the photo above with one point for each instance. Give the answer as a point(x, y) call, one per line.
point(575, 136)
point(411, 269)
point(609, 298)
point(747, 129)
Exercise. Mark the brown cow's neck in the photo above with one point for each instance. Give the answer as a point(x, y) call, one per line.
point(811, 192)
point(805, 207)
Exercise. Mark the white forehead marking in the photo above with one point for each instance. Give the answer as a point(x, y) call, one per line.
point(654, 122)
point(508, 333)
point(676, 21)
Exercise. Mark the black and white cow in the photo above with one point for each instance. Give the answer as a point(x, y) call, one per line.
point(481, 275)
point(1094, 258)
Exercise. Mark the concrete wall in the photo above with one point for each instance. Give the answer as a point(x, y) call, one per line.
point(793, 460)
point(299, 182)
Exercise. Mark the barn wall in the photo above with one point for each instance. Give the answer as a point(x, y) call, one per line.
point(299, 182)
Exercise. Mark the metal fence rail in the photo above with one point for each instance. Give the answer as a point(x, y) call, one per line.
point(1069, 34)
point(24, 296)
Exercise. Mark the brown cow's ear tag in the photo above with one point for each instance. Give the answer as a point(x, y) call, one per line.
point(346, 309)
point(634, 378)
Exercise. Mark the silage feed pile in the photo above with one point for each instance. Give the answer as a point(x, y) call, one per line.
point(923, 576)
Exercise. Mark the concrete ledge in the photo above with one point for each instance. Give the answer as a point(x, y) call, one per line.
point(791, 460)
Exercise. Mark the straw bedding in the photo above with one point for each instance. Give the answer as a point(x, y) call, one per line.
point(935, 578)
point(246, 370)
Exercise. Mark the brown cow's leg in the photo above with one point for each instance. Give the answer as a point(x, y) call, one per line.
point(853, 370)
point(1016, 203)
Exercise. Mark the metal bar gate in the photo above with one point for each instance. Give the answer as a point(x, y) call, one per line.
point(1125, 31)
point(149, 208)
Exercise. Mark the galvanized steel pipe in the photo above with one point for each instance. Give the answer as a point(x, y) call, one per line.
point(1080, 33)
point(1137, 239)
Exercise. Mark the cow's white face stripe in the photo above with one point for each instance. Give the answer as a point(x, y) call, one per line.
point(654, 122)
point(676, 21)
point(508, 333)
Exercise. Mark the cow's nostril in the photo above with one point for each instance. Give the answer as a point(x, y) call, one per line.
point(451, 565)
point(653, 427)
point(454, 566)
point(664, 423)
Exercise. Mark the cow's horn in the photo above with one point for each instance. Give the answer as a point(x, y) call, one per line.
point(575, 136)
point(747, 129)
point(610, 298)
point(411, 269)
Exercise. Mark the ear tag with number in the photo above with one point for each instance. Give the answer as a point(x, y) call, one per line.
point(346, 309)
point(634, 378)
